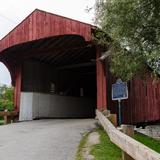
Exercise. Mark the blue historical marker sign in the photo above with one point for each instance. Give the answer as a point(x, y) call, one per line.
point(119, 90)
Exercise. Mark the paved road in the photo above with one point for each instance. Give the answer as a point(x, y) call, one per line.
point(42, 139)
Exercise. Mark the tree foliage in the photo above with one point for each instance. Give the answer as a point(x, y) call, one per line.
point(134, 26)
point(6, 98)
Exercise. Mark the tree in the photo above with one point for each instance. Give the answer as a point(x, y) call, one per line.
point(134, 27)
point(6, 98)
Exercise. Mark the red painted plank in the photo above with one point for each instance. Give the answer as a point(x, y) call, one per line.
point(101, 84)
point(143, 103)
point(17, 88)
point(40, 24)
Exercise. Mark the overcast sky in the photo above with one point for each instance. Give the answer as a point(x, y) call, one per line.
point(13, 12)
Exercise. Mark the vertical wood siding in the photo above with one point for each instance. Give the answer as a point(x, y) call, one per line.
point(17, 88)
point(143, 104)
point(40, 24)
point(144, 98)
point(37, 25)
point(101, 83)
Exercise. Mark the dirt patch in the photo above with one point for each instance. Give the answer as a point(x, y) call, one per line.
point(92, 139)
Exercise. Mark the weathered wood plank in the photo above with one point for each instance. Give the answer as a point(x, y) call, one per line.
point(142, 104)
point(41, 24)
point(132, 147)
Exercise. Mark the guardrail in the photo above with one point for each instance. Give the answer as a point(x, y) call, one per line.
point(135, 149)
point(8, 116)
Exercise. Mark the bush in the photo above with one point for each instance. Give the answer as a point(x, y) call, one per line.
point(6, 98)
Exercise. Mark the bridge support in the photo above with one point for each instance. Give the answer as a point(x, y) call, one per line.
point(17, 87)
point(101, 82)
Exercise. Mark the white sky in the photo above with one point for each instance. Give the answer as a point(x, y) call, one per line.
point(12, 12)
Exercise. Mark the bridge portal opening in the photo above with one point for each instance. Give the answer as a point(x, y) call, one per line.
point(6, 89)
point(60, 83)
point(5, 76)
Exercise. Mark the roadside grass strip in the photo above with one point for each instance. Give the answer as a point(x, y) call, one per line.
point(79, 154)
point(148, 141)
point(106, 150)
point(1, 122)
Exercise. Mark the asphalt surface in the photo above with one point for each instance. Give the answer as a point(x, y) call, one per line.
point(43, 139)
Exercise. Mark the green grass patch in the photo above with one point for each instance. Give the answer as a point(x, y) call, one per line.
point(81, 146)
point(149, 142)
point(106, 150)
point(1, 122)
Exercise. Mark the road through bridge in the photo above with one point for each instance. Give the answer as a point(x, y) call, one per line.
point(48, 139)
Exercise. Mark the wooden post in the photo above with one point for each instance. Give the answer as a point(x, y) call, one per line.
point(17, 88)
point(101, 82)
point(113, 119)
point(5, 119)
point(128, 130)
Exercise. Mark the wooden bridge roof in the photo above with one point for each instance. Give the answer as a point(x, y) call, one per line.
point(40, 24)
point(48, 38)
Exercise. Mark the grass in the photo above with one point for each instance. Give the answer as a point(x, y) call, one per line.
point(81, 146)
point(1, 122)
point(150, 142)
point(106, 150)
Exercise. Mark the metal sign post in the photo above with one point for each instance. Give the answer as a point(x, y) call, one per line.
point(119, 92)
point(119, 112)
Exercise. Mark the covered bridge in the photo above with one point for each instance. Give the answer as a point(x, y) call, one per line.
point(56, 71)
point(52, 64)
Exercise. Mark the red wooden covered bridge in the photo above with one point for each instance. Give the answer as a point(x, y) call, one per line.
point(56, 72)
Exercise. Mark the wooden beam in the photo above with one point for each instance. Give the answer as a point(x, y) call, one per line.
point(76, 65)
point(23, 55)
point(17, 88)
point(128, 130)
point(101, 83)
point(135, 149)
